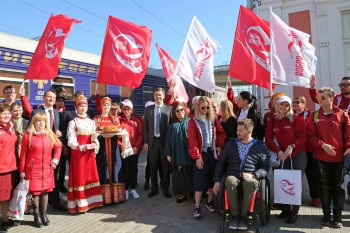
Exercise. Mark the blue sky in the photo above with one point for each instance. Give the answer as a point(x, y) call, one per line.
point(168, 20)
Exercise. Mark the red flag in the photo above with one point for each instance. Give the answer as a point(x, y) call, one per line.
point(47, 55)
point(169, 65)
point(125, 53)
point(250, 60)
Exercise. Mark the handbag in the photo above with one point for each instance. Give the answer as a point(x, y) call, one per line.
point(287, 186)
point(18, 200)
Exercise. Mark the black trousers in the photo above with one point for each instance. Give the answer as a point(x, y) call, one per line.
point(147, 171)
point(130, 171)
point(158, 162)
point(312, 176)
point(54, 196)
point(62, 170)
point(330, 176)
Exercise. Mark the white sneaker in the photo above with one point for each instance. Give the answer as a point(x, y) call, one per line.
point(233, 224)
point(126, 194)
point(135, 194)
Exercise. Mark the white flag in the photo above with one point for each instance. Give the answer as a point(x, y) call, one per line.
point(196, 62)
point(293, 59)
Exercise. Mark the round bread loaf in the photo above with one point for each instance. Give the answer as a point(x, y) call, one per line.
point(110, 129)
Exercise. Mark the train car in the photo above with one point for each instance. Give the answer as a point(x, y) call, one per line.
point(77, 71)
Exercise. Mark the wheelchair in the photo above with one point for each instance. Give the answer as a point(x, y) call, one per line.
point(260, 206)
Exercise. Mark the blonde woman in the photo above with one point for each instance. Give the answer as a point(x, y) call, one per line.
point(290, 132)
point(206, 138)
point(228, 120)
point(37, 163)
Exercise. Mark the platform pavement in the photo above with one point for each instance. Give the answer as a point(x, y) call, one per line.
point(162, 215)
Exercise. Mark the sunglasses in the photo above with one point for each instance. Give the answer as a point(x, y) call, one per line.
point(205, 108)
point(296, 102)
point(320, 97)
point(343, 85)
point(179, 110)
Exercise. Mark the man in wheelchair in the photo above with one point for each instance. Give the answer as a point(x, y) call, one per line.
point(245, 161)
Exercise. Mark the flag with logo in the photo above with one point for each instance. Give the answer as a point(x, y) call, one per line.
point(196, 62)
point(125, 53)
point(169, 65)
point(47, 55)
point(250, 59)
point(293, 59)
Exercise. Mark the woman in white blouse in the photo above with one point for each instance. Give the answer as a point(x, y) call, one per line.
point(84, 191)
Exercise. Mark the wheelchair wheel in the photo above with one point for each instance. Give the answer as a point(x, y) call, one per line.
point(223, 224)
point(265, 201)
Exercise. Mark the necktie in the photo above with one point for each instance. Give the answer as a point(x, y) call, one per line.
point(52, 125)
point(158, 120)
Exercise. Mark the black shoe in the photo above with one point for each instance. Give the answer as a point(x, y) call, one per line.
point(63, 189)
point(37, 220)
point(146, 186)
point(283, 214)
point(3, 229)
point(180, 200)
point(326, 220)
point(166, 194)
point(60, 207)
point(152, 193)
point(10, 223)
point(44, 219)
point(292, 218)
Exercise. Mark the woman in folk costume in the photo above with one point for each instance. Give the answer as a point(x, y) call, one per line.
point(84, 192)
point(108, 159)
point(40, 154)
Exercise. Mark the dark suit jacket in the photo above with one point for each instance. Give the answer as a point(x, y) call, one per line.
point(25, 125)
point(148, 124)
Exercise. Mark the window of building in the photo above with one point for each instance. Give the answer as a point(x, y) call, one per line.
point(147, 94)
point(64, 86)
point(12, 78)
point(345, 17)
point(239, 88)
point(102, 89)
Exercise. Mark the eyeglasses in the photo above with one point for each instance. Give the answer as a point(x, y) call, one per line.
point(180, 110)
point(9, 93)
point(343, 85)
point(114, 109)
point(205, 108)
point(296, 102)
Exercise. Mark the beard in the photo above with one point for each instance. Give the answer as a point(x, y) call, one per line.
point(344, 92)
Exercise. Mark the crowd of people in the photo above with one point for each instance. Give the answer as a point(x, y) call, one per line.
point(195, 147)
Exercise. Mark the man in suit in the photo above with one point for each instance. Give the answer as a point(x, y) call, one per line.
point(9, 93)
point(57, 125)
point(155, 125)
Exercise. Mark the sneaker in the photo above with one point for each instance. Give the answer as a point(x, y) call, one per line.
point(135, 194)
point(126, 194)
point(242, 224)
point(210, 207)
point(316, 202)
point(233, 224)
point(197, 212)
point(326, 220)
point(337, 224)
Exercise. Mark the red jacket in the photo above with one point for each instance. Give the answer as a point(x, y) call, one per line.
point(286, 133)
point(329, 130)
point(8, 155)
point(35, 161)
point(195, 140)
point(134, 128)
point(305, 116)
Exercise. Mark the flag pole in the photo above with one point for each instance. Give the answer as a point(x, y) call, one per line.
point(271, 51)
point(96, 88)
point(22, 84)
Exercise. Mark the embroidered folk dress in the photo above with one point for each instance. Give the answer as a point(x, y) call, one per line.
point(109, 164)
point(84, 192)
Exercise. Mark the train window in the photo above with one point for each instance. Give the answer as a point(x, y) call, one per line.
point(102, 88)
point(64, 85)
point(10, 78)
point(147, 94)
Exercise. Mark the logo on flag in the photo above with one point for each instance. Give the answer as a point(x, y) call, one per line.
point(258, 42)
point(202, 55)
point(128, 52)
point(52, 41)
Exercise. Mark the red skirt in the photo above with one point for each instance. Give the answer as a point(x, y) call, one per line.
point(8, 183)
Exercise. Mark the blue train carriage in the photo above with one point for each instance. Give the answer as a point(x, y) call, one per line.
point(77, 71)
